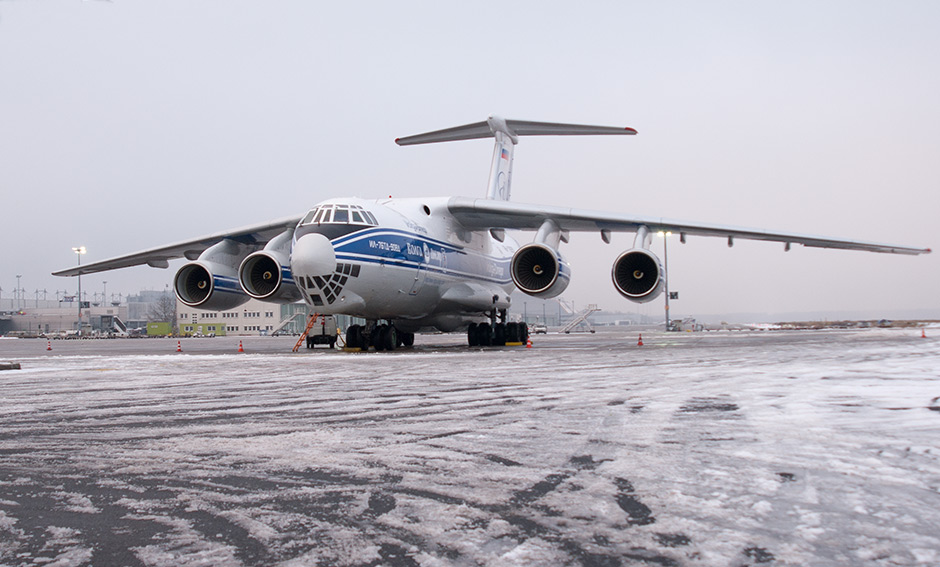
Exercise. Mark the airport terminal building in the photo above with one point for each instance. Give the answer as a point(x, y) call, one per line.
point(136, 315)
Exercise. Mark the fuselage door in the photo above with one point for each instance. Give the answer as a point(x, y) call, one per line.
point(423, 254)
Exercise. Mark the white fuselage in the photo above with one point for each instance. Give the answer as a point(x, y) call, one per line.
point(405, 260)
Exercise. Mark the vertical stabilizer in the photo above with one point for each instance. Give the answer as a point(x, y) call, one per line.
point(507, 134)
point(501, 168)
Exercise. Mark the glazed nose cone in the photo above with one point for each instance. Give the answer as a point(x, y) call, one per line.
point(312, 255)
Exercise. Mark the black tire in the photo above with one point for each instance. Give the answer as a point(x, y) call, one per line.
point(407, 339)
point(485, 334)
point(353, 336)
point(523, 332)
point(512, 333)
point(309, 342)
point(333, 342)
point(473, 338)
point(363, 338)
point(390, 337)
point(378, 336)
point(499, 335)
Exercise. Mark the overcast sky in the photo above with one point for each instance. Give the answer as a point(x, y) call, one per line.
point(125, 125)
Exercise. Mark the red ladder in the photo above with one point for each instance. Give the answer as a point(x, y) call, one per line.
point(303, 336)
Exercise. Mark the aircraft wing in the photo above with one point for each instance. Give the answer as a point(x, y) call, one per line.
point(159, 257)
point(487, 213)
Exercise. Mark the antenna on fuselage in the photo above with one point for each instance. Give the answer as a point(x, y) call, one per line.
point(507, 134)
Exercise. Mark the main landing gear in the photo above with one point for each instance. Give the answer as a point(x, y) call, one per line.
point(382, 337)
point(497, 333)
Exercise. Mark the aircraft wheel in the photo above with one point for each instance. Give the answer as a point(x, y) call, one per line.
point(485, 332)
point(499, 334)
point(364, 339)
point(512, 332)
point(473, 338)
point(523, 332)
point(378, 336)
point(389, 337)
point(353, 336)
point(407, 339)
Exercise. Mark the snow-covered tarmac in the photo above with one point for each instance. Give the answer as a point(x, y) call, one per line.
point(777, 448)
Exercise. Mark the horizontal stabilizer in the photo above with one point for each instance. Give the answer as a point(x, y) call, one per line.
point(488, 129)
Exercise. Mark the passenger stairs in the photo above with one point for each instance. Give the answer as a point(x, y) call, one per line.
point(119, 326)
point(286, 322)
point(582, 319)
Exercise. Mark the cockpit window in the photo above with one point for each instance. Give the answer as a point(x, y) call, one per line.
point(339, 214)
point(308, 218)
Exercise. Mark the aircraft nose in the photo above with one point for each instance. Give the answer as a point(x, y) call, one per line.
point(313, 255)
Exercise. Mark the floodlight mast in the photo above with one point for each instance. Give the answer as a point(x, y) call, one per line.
point(79, 250)
point(666, 236)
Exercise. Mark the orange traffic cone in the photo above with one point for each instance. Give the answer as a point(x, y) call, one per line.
point(923, 334)
point(179, 346)
point(240, 349)
point(49, 345)
point(640, 342)
point(528, 342)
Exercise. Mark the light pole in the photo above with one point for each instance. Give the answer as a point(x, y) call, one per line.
point(79, 250)
point(666, 236)
point(104, 300)
point(17, 290)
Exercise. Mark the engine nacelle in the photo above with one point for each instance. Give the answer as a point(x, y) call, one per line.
point(265, 275)
point(208, 285)
point(638, 275)
point(539, 270)
point(210, 282)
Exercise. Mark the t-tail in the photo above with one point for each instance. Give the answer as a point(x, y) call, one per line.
point(507, 134)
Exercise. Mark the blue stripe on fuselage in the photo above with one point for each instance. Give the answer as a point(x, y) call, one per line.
point(411, 250)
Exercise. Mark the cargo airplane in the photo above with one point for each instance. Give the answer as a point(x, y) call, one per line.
point(406, 265)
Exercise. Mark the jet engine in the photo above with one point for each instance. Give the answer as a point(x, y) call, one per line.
point(266, 274)
point(210, 282)
point(638, 275)
point(540, 270)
